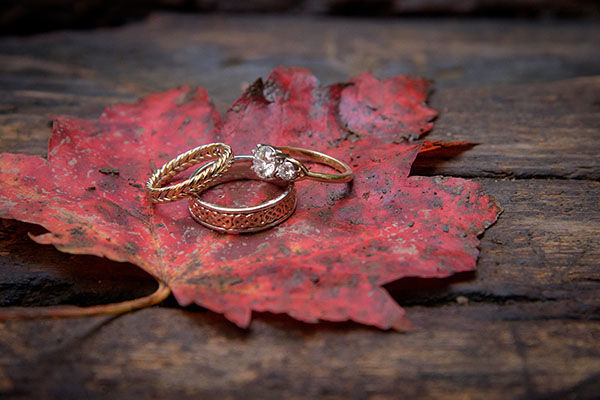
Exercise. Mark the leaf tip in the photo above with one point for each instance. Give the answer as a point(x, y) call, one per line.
point(240, 316)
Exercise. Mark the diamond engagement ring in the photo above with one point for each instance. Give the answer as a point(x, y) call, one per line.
point(271, 162)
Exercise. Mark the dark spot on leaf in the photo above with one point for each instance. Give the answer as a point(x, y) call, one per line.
point(325, 214)
point(255, 90)
point(131, 248)
point(77, 231)
point(284, 250)
point(334, 196)
point(135, 185)
point(235, 281)
point(109, 171)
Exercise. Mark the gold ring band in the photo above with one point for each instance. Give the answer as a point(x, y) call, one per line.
point(272, 162)
point(243, 219)
point(219, 152)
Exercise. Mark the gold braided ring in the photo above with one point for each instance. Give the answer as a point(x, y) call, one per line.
point(219, 152)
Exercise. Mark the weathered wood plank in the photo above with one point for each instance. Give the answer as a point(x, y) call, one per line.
point(159, 353)
point(524, 131)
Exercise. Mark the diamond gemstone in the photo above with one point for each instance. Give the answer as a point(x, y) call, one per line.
point(265, 161)
point(287, 171)
point(264, 153)
point(264, 169)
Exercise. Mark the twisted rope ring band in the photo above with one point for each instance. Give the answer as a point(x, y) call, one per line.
point(219, 152)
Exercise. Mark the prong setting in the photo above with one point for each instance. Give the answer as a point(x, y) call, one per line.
point(271, 163)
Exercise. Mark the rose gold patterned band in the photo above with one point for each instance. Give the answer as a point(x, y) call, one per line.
point(243, 219)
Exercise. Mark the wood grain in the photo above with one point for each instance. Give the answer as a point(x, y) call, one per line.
point(526, 325)
point(43, 15)
point(524, 131)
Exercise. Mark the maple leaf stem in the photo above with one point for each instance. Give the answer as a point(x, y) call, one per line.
point(24, 313)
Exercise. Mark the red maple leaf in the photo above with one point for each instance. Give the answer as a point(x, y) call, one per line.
point(327, 262)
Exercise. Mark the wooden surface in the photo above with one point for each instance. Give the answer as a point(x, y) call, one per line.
point(35, 16)
point(526, 325)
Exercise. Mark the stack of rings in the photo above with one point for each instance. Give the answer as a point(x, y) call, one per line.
point(267, 163)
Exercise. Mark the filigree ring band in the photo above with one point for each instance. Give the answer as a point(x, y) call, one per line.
point(243, 219)
point(219, 152)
